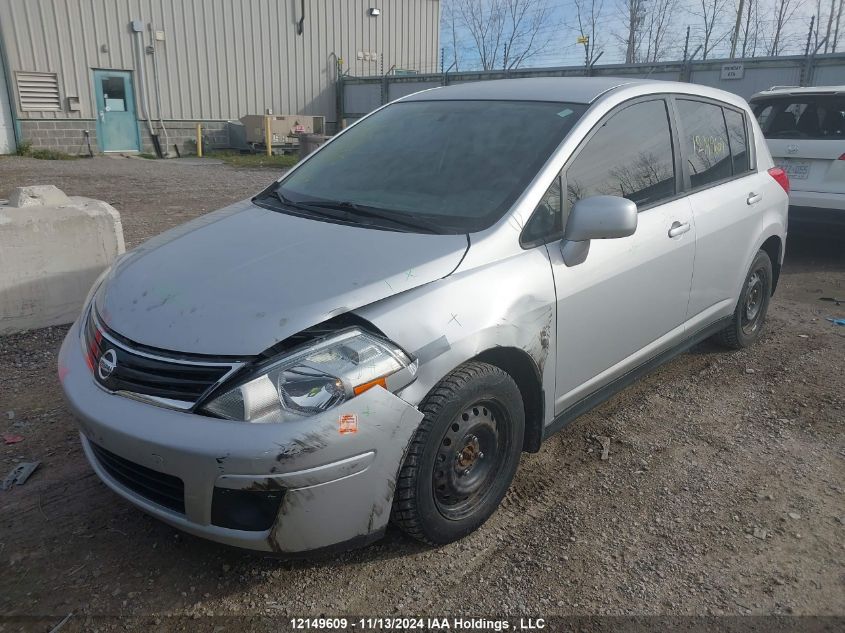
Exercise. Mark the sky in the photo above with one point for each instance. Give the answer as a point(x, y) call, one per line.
point(560, 32)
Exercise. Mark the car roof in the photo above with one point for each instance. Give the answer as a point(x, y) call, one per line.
point(561, 89)
point(586, 90)
point(786, 91)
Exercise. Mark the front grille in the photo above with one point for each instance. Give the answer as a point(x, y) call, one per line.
point(144, 373)
point(165, 490)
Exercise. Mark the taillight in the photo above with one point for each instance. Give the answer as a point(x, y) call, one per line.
point(841, 157)
point(780, 177)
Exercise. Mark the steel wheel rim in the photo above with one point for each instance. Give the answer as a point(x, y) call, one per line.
point(469, 456)
point(754, 299)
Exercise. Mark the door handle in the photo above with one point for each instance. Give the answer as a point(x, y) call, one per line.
point(753, 198)
point(102, 116)
point(678, 229)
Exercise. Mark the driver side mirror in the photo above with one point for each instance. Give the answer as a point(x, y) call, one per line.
point(596, 218)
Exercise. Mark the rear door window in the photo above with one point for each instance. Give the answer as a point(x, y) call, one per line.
point(705, 142)
point(630, 155)
point(810, 117)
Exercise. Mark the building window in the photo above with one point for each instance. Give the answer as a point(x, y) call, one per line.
point(38, 91)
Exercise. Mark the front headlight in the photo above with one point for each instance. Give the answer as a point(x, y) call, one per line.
point(316, 379)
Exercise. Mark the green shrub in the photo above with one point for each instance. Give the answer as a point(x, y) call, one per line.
point(50, 154)
point(24, 148)
point(236, 159)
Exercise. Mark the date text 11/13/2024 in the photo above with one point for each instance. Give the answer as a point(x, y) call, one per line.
point(410, 623)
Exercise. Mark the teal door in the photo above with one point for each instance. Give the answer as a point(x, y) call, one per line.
point(117, 125)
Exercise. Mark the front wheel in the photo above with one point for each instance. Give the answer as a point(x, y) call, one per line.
point(463, 456)
point(749, 317)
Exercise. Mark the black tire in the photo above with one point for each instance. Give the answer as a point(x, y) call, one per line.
point(448, 486)
point(749, 317)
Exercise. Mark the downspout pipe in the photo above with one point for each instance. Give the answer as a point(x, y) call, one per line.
point(142, 87)
point(158, 91)
point(17, 132)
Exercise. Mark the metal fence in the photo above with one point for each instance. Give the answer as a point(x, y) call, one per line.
point(360, 95)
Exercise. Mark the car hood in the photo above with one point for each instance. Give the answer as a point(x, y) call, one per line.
point(239, 280)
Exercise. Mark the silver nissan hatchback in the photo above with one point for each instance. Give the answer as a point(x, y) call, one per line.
point(382, 332)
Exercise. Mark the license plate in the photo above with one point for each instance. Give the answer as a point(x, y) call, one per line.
point(795, 170)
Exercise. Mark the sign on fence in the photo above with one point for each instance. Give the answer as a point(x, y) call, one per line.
point(733, 71)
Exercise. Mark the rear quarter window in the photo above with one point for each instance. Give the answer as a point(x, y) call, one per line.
point(738, 140)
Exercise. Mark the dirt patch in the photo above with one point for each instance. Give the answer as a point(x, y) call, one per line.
point(722, 491)
point(151, 195)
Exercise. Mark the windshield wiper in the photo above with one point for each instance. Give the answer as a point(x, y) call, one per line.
point(381, 214)
point(351, 211)
point(311, 209)
point(302, 206)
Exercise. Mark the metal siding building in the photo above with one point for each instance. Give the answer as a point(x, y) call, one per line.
point(218, 60)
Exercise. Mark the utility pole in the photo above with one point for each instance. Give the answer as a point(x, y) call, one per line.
point(454, 43)
point(736, 28)
point(686, 45)
point(585, 40)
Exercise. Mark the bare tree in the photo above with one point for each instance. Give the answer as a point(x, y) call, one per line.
point(524, 24)
point(646, 26)
point(589, 15)
point(632, 14)
point(658, 20)
point(710, 12)
point(505, 33)
point(830, 16)
point(836, 29)
point(749, 33)
point(483, 21)
point(819, 39)
point(784, 11)
point(448, 27)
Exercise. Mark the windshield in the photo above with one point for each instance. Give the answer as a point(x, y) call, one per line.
point(806, 116)
point(434, 166)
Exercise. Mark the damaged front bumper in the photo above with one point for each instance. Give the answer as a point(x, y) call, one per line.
point(323, 481)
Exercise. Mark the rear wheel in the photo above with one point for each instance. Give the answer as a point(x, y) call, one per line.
point(464, 454)
point(749, 317)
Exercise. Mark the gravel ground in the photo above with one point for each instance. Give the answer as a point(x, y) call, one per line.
point(722, 494)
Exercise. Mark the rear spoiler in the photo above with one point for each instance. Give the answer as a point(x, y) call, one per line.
point(799, 92)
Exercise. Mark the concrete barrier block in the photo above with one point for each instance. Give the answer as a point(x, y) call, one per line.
point(52, 249)
point(38, 196)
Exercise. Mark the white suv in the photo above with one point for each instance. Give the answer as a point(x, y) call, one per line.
point(805, 130)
